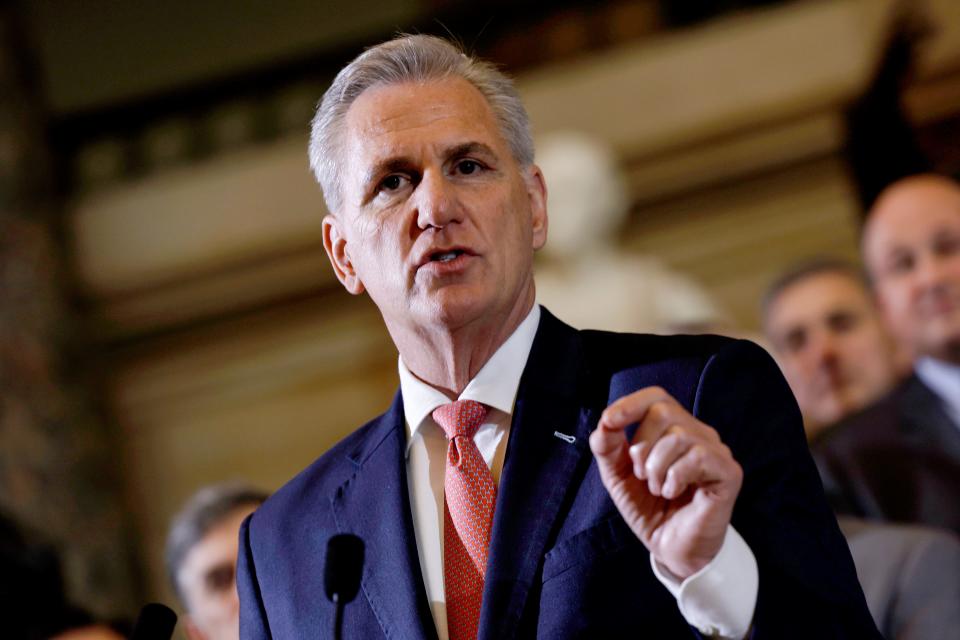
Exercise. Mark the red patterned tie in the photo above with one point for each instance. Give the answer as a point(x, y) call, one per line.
point(469, 496)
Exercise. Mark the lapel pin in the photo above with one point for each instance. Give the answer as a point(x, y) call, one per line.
point(565, 437)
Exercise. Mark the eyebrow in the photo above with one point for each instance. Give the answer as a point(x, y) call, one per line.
point(385, 167)
point(468, 148)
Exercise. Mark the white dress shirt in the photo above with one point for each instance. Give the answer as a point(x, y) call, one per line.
point(943, 379)
point(719, 599)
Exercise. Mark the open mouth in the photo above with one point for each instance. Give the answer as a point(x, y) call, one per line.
point(446, 256)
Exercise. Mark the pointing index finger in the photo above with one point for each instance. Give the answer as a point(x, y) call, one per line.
point(631, 408)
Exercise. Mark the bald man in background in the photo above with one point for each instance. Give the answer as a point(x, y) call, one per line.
point(899, 460)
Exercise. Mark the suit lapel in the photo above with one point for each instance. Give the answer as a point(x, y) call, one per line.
point(374, 503)
point(925, 421)
point(537, 472)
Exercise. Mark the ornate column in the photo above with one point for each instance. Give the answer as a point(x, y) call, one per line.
point(57, 460)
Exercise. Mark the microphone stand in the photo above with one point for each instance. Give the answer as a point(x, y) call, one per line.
point(338, 617)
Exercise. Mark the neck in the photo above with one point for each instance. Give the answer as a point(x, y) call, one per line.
point(949, 353)
point(447, 358)
point(952, 355)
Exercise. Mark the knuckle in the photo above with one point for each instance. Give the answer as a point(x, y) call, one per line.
point(608, 413)
point(596, 441)
point(659, 411)
point(737, 471)
point(677, 432)
point(678, 440)
point(698, 454)
point(673, 474)
point(653, 461)
point(667, 441)
point(617, 406)
point(651, 472)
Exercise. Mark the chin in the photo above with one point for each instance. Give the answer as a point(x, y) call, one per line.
point(942, 335)
point(454, 306)
point(829, 416)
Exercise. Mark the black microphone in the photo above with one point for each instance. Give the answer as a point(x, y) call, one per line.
point(155, 622)
point(341, 573)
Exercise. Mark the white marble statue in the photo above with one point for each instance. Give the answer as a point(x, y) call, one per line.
point(583, 276)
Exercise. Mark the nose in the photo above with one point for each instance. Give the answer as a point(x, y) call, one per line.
point(436, 201)
point(823, 349)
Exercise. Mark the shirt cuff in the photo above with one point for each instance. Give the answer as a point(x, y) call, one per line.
point(718, 600)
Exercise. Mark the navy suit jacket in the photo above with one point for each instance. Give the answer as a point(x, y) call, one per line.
point(898, 460)
point(562, 564)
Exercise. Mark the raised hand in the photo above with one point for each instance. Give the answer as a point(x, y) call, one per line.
point(675, 483)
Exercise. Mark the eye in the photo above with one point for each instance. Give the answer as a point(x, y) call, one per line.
point(795, 340)
point(468, 167)
point(392, 182)
point(220, 578)
point(946, 245)
point(843, 322)
point(900, 263)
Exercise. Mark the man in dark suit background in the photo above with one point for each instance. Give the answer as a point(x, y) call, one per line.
point(899, 459)
point(604, 485)
point(821, 319)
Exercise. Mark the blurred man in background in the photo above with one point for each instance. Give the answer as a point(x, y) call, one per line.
point(899, 460)
point(829, 340)
point(838, 358)
point(201, 558)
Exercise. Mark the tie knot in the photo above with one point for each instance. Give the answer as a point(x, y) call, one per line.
point(460, 418)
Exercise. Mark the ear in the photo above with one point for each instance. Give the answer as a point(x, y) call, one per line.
point(335, 243)
point(537, 192)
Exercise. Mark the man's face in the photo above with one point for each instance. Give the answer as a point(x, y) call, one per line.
point(439, 222)
point(833, 350)
point(912, 248)
point(207, 579)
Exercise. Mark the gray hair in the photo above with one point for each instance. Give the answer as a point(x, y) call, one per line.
point(808, 269)
point(202, 512)
point(409, 58)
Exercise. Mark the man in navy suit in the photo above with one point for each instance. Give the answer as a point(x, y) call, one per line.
point(645, 487)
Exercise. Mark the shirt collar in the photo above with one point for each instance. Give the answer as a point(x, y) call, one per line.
point(495, 385)
point(943, 379)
